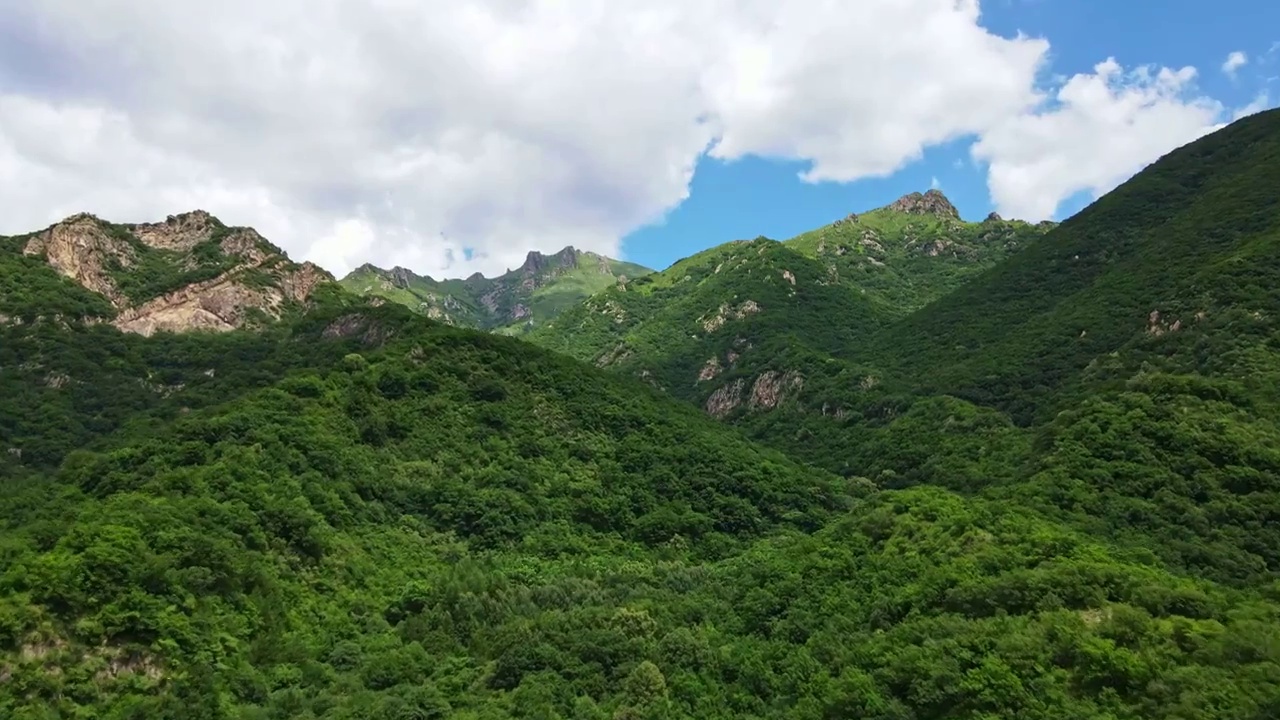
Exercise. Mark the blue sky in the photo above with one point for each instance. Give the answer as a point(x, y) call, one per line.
point(752, 196)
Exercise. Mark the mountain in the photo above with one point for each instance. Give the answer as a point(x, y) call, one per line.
point(513, 302)
point(190, 271)
point(914, 250)
point(336, 508)
point(1173, 268)
point(765, 312)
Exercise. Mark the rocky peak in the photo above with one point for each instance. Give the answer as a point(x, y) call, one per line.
point(401, 277)
point(95, 254)
point(81, 249)
point(178, 232)
point(932, 202)
point(994, 217)
point(536, 261)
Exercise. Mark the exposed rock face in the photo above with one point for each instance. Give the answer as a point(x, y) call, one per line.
point(725, 313)
point(536, 261)
point(932, 202)
point(772, 387)
point(79, 248)
point(994, 217)
point(178, 232)
point(88, 251)
point(725, 399)
point(710, 370)
point(220, 304)
point(769, 390)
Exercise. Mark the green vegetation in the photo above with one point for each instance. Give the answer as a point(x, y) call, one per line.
point(909, 260)
point(30, 289)
point(1030, 498)
point(511, 303)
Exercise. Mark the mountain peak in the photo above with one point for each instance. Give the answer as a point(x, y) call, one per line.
point(931, 202)
point(535, 261)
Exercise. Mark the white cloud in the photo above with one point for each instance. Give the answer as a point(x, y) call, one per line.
point(451, 136)
point(404, 132)
point(1098, 130)
point(1234, 62)
point(1260, 102)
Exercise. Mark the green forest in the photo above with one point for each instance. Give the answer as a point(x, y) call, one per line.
point(767, 482)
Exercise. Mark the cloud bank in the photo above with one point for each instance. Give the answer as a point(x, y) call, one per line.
point(453, 136)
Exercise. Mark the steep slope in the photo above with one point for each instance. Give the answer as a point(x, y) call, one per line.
point(188, 272)
point(445, 523)
point(1181, 258)
point(511, 303)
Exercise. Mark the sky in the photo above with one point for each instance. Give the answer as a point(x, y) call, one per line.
point(453, 136)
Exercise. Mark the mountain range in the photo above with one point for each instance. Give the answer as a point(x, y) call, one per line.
point(902, 467)
point(511, 303)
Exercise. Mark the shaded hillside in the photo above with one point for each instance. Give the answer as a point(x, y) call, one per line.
point(511, 303)
point(726, 316)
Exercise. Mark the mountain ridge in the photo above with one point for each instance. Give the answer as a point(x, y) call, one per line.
point(512, 302)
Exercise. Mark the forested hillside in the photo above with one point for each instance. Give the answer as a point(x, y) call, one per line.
point(341, 509)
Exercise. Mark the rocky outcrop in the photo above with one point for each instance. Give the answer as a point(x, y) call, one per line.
point(371, 333)
point(710, 369)
point(223, 303)
point(178, 232)
point(91, 252)
point(769, 390)
point(81, 249)
point(725, 313)
point(932, 203)
point(772, 387)
point(725, 399)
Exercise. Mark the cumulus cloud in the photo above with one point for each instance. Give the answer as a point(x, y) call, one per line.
point(1096, 131)
point(1234, 62)
point(455, 136)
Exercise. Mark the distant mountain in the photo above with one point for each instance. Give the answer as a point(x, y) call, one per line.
point(511, 303)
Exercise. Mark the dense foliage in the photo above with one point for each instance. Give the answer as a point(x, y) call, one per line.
point(1033, 498)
